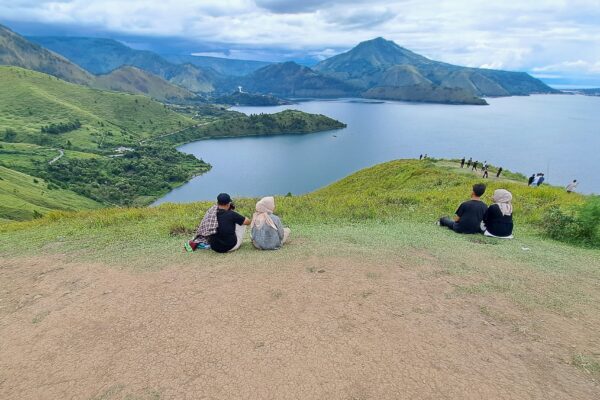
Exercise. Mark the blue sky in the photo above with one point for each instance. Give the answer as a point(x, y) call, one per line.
point(557, 41)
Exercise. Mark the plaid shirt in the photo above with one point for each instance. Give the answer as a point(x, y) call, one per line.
point(208, 226)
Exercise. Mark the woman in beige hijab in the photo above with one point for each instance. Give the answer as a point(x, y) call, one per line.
point(267, 230)
point(498, 217)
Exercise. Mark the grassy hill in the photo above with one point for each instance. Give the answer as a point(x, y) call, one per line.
point(283, 122)
point(368, 300)
point(17, 51)
point(25, 197)
point(136, 81)
point(42, 117)
point(30, 100)
point(418, 191)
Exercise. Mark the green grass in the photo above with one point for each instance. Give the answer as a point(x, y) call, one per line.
point(101, 121)
point(588, 364)
point(232, 125)
point(31, 158)
point(30, 100)
point(25, 197)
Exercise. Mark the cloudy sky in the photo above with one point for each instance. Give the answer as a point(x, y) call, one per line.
point(556, 40)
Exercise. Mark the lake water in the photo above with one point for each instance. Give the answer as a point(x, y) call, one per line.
point(555, 134)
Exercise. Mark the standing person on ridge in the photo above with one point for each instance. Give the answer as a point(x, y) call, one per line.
point(540, 180)
point(530, 180)
point(499, 172)
point(421, 157)
point(572, 186)
point(462, 162)
point(485, 171)
point(469, 162)
point(474, 165)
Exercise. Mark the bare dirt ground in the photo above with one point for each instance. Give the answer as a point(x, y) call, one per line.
point(314, 328)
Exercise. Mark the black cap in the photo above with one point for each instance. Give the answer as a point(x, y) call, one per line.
point(223, 199)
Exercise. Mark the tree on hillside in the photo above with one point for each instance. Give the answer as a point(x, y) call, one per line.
point(9, 135)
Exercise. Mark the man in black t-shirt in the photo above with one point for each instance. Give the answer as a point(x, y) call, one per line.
point(231, 226)
point(469, 214)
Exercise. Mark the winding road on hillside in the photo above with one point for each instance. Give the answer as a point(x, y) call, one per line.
point(58, 157)
point(175, 132)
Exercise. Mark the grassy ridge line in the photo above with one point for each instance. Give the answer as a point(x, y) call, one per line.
point(412, 190)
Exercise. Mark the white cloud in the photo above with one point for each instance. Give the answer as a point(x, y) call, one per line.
point(512, 35)
point(579, 66)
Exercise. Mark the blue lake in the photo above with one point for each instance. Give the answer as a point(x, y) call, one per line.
point(555, 134)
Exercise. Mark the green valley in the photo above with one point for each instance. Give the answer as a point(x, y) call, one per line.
point(102, 147)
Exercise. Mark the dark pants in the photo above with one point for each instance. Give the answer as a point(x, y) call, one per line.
point(447, 222)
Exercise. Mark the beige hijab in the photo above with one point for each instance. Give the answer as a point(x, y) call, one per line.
point(264, 209)
point(503, 198)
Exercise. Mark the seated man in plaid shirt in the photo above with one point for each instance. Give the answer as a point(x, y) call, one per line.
point(221, 229)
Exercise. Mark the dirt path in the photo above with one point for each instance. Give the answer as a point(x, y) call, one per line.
point(60, 155)
point(315, 328)
point(175, 132)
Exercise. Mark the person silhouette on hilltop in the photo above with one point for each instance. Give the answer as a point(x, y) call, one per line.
point(572, 186)
point(462, 162)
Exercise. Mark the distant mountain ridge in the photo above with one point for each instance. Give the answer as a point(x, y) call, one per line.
point(382, 63)
point(293, 80)
point(224, 66)
point(17, 51)
point(376, 68)
point(101, 56)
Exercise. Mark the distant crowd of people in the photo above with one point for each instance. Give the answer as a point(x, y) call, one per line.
point(535, 180)
point(475, 164)
point(222, 229)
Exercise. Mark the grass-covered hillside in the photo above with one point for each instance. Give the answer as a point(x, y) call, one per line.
point(24, 197)
point(410, 190)
point(17, 51)
point(103, 145)
point(283, 122)
point(31, 100)
point(136, 81)
point(369, 299)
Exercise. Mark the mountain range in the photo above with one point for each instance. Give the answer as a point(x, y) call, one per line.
point(376, 68)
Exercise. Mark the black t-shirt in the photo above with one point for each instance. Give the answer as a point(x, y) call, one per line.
point(225, 238)
point(496, 223)
point(471, 214)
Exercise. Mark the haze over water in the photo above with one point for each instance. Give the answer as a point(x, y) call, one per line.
point(555, 134)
